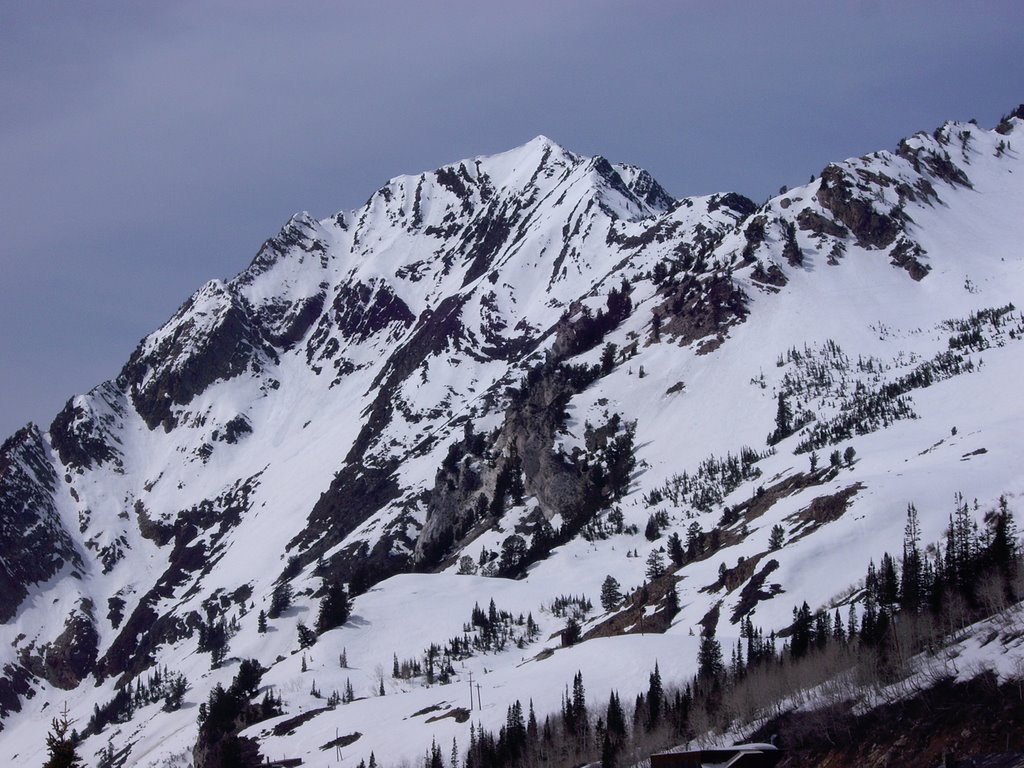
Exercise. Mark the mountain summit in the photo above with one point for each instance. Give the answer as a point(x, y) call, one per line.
point(505, 382)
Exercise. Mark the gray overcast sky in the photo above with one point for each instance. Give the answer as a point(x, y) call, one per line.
point(148, 147)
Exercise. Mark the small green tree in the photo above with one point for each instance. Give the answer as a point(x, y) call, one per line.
point(655, 565)
point(783, 420)
point(676, 552)
point(571, 633)
point(335, 608)
point(60, 745)
point(671, 600)
point(709, 658)
point(307, 637)
point(280, 600)
point(247, 680)
point(652, 531)
point(608, 358)
point(610, 593)
point(513, 553)
point(848, 455)
point(175, 688)
point(776, 538)
point(655, 699)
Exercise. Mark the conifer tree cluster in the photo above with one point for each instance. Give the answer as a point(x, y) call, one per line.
point(975, 570)
point(713, 480)
point(579, 733)
point(487, 631)
point(159, 685)
point(227, 712)
point(214, 635)
point(970, 574)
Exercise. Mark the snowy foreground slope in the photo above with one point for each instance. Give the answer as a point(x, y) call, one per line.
point(482, 385)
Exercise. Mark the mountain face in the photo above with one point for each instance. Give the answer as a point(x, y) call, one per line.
point(487, 382)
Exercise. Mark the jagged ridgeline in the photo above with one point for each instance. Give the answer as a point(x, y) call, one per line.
point(534, 377)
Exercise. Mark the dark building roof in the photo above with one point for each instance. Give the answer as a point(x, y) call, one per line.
point(736, 756)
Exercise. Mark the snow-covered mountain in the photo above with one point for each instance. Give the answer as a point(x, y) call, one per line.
point(490, 382)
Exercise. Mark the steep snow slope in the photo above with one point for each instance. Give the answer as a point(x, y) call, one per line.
point(353, 405)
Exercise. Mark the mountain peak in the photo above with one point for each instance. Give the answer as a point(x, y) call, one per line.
point(508, 366)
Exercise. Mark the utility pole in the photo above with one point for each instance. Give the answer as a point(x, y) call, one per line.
point(470, 691)
point(479, 704)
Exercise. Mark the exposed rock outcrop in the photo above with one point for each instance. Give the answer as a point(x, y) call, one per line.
point(34, 544)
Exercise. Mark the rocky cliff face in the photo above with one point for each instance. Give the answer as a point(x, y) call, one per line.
point(34, 543)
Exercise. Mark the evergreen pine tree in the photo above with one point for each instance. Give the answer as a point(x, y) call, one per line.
point(610, 593)
point(911, 597)
point(822, 629)
point(307, 637)
point(60, 745)
point(655, 565)
point(694, 540)
point(655, 698)
point(709, 657)
point(676, 552)
point(1002, 545)
point(571, 633)
point(783, 420)
point(280, 599)
point(175, 687)
point(615, 718)
point(334, 608)
point(838, 631)
point(738, 667)
point(671, 600)
point(261, 622)
point(609, 752)
point(869, 620)
point(432, 758)
point(888, 584)
point(579, 706)
point(802, 630)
